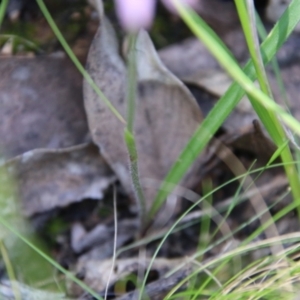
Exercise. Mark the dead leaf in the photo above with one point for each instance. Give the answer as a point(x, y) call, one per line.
point(254, 140)
point(9, 289)
point(191, 62)
point(221, 15)
point(95, 272)
point(100, 240)
point(166, 112)
point(213, 81)
point(41, 105)
point(159, 289)
point(49, 179)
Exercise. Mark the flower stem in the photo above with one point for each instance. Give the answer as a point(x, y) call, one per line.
point(129, 130)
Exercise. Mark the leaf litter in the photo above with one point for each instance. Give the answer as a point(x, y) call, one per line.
point(46, 139)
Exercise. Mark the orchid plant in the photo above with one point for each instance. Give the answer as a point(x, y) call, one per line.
point(133, 16)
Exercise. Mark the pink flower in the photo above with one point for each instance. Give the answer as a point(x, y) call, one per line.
point(136, 14)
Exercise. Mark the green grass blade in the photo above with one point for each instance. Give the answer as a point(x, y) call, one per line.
point(246, 12)
point(3, 7)
point(226, 104)
point(275, 66)
point(278, 153)
point(224, 238)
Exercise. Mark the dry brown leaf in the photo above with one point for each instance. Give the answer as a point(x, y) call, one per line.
point(41, 105)
point(195, 66)
point(192, 63)
point(221, 15)
point(166, 112)
point(160, 288)
point(96, 272)
point(100, 240)
point(252, 139)
point(49, 179)
point(190, 50)
point(214, 81)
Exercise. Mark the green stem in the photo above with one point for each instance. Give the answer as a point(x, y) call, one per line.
point(133, 160)
point(132, 84)
point(129, 131)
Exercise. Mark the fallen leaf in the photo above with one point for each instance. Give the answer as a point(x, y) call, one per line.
point(99, 239)
point(166, 112)
point(49, 179)
point(252, 139)
point(41, 105)
point(160, 288)
point(191, 62)
point(96, 272)
point(213, 81)
point(221, 22)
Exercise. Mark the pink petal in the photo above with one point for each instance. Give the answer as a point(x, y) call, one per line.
point(135, 14)
point(170, 6)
